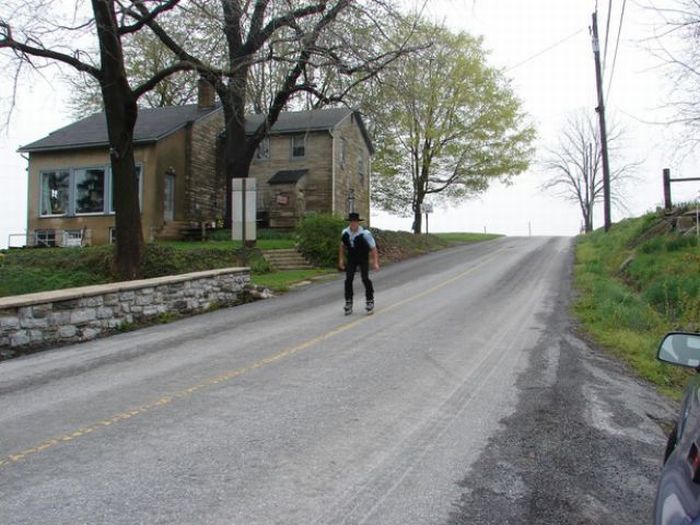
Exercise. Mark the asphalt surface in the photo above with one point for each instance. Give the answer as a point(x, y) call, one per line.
point(465, 398)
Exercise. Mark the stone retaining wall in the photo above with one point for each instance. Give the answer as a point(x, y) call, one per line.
point(80, 314)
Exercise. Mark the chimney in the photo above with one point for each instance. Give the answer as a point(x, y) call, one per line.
point(205, 94)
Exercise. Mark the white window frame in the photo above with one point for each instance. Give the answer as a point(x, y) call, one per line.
point(106, 172)
point(71, 211)
point(47, 237)
point(72, 238)
point(41, 192)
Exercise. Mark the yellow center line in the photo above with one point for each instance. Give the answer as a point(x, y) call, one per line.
point(225, 377)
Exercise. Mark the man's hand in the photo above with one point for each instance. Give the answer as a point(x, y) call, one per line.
point(375, 266)
point(341, 266)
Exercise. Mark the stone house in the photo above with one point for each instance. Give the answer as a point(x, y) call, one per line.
point(312, 161)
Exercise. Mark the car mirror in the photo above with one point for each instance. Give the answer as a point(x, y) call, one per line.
point(681, 349)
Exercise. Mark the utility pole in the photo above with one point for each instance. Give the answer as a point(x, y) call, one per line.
point(601, 119)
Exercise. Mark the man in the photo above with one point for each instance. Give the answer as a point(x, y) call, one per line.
point(360, 246)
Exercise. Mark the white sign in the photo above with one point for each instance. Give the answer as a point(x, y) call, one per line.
point(243, 210)
point(426, 208)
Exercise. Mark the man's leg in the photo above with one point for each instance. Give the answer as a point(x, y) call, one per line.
point(350, 268)
point(369, 288)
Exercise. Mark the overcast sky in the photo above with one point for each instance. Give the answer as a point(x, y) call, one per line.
point(543, 46)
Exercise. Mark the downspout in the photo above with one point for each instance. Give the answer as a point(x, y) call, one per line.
point(331, 131)
point(369, 188)
point(29, 196)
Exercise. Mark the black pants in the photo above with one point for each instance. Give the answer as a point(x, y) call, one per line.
point(350, 269)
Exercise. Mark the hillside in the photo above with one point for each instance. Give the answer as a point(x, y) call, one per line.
point(635, 283)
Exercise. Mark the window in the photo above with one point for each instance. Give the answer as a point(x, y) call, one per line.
point(361, 166)
point(263, 151)
point(83, 191)
point(90, 190)
point(55, 192)
point(72, 238)
point(45, 238)
point(298, 146)
point(343, 152)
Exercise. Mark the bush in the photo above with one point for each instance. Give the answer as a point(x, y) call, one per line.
point(319, 238)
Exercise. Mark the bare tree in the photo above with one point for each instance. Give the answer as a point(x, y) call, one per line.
point(676, 43)
point(35, 35)
point(577, 165)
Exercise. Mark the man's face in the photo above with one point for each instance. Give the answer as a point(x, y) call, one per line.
point(354, 225)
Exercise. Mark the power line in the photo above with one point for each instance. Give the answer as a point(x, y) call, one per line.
point(607, 34)
point(617, 46)
point(540, 53)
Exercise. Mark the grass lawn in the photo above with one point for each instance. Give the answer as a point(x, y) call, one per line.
point(281, 281)
point(464, 237)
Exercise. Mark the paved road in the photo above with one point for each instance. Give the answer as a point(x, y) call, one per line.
point(464, 399)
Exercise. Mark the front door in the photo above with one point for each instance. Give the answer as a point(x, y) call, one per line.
point(169, 198)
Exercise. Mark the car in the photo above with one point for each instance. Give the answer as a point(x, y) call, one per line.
point(678, 492)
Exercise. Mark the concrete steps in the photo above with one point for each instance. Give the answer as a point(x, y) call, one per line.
point(286, 259)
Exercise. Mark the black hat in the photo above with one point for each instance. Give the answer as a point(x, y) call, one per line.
point(353, 216)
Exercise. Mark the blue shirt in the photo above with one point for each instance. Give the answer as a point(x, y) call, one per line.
point(360, 231)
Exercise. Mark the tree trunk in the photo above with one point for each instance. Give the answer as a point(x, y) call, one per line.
point(238, 151)
point(121, 112)
point(417, 220)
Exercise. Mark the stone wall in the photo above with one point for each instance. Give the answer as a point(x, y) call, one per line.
point(80, 314)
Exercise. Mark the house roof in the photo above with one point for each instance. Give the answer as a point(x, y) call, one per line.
point(152, 125)
point(311, 120)
point(287, 177)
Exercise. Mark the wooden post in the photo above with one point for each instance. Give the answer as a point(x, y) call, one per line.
point(601, 121)
point(667, 189)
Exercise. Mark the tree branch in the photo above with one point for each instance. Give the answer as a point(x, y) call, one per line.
point(7, 41)
point(142, 19)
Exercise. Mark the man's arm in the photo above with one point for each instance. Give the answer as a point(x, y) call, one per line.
point(374, 254)
point(341, 257)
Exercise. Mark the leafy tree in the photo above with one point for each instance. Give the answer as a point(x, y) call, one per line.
point(304, 40)
point(448, 125)
point(577, 165)
point(37, 41)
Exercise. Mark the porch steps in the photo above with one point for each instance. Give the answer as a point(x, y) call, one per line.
point(286, 259)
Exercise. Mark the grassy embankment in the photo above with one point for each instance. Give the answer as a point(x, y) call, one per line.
point(634, 284)
point(36, 270)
